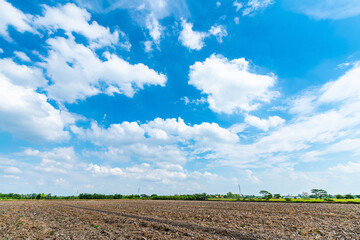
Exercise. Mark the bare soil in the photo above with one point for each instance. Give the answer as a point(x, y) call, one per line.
point(145, 219)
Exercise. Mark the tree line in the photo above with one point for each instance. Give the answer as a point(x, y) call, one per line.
point(264, 194)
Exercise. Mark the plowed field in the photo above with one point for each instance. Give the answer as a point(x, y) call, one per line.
point(131, 219)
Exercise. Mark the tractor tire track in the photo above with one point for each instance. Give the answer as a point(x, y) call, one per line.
point(221, 232)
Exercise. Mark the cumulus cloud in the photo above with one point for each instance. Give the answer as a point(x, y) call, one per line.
point(348, 168)
point(71, 18)
point(22, 75)
point(264, 124)
point(194, 40)
point(155, 29)
point(147, 172)
point(11, 16)
point(78, 73)
point(27, 114)
point(22, 56)
point(165, 141)
point(237, 5)
point(58, 160)
point(231, 86)
point(191, 39)
point(330, 126)
point(219, 32)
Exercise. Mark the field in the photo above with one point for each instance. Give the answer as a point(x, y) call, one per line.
point(147, 219)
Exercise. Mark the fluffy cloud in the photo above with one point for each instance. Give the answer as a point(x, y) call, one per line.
point(22, 75)
point(264, 124)
point(329, 126)
point(77, 72)
point(237, 5)
point(194, 40)
point(22, 56)
point(230, 85)
point(154, 27)
point(348, 168)
point(59, 160)
point(146, 172)
point(219, 32)
point(161, 141)
point(191, 39)
point(326, 9)
point(27, 114)
point(71, 18)
point(9, 15)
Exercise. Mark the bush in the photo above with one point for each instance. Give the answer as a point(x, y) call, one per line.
point(349, 196)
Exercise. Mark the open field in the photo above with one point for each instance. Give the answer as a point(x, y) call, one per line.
point(136, 219)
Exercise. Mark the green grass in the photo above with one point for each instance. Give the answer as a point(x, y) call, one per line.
point(301, 200)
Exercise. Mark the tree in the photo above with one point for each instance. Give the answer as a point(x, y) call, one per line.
point(339, 196)
point(277, 196)
point(319, 193)
point(265, 194)
point(349, 196)
point(229, 195)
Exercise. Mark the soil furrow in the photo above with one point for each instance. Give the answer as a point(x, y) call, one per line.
point(190, 226)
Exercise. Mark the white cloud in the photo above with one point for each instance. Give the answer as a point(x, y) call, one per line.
point(326, 9)
point(147, 172)
point(348, 168)
point(154, 27)
point(250, 175)
point(237, 5)
point(27, 114)
point(218, 4)
point(1, 50)
point(165, 141)
point(230, 85)
point(77, 73)
point(331, 124)
point(256, 5)
point(264, 124)
point(219, 32)
point(9, 15)
point(71, 18)
point(191, 39)
point(340, 89)
point(148, 46)
point(61, 182)
point(22, 75)
point(22, 56)
point(160, 8)
point(236, 20)
point(58, 160)
point(12, 170)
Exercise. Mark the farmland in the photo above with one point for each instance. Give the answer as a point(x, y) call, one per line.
point(147, 219)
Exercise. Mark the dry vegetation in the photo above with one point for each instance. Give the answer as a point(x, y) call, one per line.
point(136, 219)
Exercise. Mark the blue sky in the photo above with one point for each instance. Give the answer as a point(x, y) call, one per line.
point(179, 96)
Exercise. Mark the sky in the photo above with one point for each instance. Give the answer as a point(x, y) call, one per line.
point(179, 96)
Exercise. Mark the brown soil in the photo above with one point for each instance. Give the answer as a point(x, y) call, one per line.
point(131, 219)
